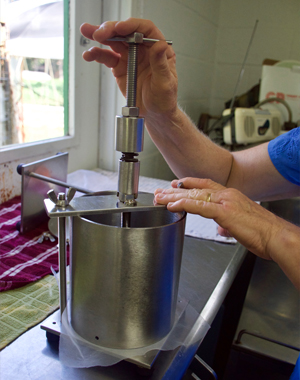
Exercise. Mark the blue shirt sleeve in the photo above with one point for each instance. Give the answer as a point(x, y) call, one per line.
point(296, 373)
point(284, 152)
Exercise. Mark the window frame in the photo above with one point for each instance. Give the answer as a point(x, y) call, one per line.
point(76, 70)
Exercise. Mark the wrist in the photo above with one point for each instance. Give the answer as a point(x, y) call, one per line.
point(172, 119)
point(286, 241)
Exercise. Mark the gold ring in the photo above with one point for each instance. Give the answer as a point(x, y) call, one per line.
point(208, 197)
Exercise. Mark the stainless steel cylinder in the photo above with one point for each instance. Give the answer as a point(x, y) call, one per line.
point(124, 281)
point(128, 179)
point(129, 134)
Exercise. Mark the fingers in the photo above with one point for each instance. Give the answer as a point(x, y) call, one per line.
point(146, 27)
point(99, 33)
point(102, 33)
point(173, 195)
point(200, 183)
point(159, 61)
point(110, 29)
point(87, 30)
point(108, 57)
point(205, 209)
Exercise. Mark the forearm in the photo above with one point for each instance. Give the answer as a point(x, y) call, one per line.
point(187, 151)
point(284, 249)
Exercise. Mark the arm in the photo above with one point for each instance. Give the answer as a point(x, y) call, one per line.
point(260, 231)
point(187, 151)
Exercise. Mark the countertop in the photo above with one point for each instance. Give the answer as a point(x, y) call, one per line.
point(208, 270)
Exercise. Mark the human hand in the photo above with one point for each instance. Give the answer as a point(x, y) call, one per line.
point(157, 77)
point(237, 216)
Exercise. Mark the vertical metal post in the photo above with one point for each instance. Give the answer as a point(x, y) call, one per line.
point(132, 74)
point(62, 264)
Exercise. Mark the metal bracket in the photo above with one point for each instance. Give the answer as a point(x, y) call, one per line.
point(99, 205)
point(211, 372)
point(34, 190)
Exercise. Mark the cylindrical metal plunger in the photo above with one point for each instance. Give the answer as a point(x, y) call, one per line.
point(128, 181)
point(130, 130)
point(129, 140)
point(129, 134)
point(124, 281)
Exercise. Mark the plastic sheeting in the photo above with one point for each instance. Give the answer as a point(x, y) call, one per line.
point(76, 352)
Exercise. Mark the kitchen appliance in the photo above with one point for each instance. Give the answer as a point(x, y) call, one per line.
point(125, 251)
point(251, 125)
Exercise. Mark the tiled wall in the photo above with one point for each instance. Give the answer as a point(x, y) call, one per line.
point(192, 25)
point(210, 40)
point(277, 37)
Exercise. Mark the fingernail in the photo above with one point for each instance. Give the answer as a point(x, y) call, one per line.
point(160, 196)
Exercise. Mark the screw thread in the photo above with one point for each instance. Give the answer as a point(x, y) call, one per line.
point(132, 75)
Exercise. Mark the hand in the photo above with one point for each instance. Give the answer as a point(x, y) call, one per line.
point(157, 77)
point(237, 216)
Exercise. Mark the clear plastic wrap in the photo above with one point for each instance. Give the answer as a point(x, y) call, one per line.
point(77, 352)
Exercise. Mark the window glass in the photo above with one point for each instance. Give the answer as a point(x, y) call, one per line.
point(32, 87)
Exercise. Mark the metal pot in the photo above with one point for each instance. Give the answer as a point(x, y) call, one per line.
point(124, 281)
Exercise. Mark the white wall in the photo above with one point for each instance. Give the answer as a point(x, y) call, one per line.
point(210, 40)
point(277, 37)
point(192, 25)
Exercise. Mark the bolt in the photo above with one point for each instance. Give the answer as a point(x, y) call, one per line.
point(61, 196)
point(61, 200)
point(132, 65)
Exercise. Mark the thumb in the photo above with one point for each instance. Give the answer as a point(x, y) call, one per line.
point(159, 61)
point(223, 232)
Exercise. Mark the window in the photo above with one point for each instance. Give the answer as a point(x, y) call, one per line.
point(32, 92)
point(82, 118)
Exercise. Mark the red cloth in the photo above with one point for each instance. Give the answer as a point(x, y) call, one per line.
point(22, 258)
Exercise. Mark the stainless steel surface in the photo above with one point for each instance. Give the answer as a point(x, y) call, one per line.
point(272, 305)
point(210, 310)
point(204, 263)
point(137, 38)
point(128, 180)
point(172, 365)
point(62, 264)
point(272, 309)
point(100, 204)
point(145, 39)
point(35, 191)
point(124, 281)
point(129, 134)
point(53, 323)
point(56, 182)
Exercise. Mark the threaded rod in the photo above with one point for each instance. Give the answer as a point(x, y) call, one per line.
point(132, 75)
